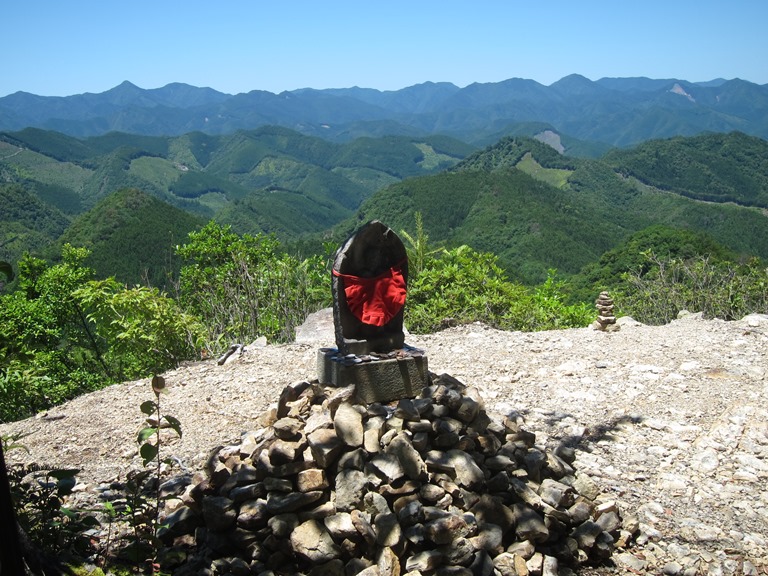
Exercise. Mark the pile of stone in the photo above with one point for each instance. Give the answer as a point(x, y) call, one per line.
point(606, 320)
point(430, 485)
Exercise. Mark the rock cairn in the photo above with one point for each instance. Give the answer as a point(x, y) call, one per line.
point(430, 485)
point(606, 321)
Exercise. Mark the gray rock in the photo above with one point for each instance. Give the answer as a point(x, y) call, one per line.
point(510, 564)
point(491, 510)
point(287, 428)
point(311, 540)
point(350, 489)
point(311, 480)
point(466, 471)
point(423, 561)
point(529, 525)
point(219, 513)
point(467, 409)
point(348, 423)
point(253, 514)
point(325, 446)
point(458, 551)
point(387, 529)
point(388, 562)
point(489, 538)
point(279, 503)
point(555, 493)
point(362, 523)
point(181, 521)
point(340, 526)
point(445, 529)
point(388, 466)
point(410, 460)
point(283, 524)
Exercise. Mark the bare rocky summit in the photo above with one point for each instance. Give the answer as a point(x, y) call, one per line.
point(670, 422)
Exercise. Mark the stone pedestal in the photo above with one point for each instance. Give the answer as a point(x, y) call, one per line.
point(377, 378)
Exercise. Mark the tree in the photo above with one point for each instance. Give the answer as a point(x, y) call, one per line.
point(242, 287)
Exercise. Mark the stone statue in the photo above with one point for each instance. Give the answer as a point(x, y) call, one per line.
point(370, 277)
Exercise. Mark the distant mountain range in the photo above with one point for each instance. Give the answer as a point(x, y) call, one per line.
point(610, 111)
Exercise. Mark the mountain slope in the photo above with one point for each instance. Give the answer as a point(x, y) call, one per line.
point(209, 175)
point(716, 167)
point(131, 236)
point(503, 200)
point(26, 223)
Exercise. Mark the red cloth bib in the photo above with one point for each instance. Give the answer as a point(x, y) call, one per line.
point(375, 300)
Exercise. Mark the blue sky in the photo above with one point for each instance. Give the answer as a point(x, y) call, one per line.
point(59, 48)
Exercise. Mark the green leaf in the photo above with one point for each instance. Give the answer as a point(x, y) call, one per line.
point(148, 452)
point(145, 433)
point(149, 407)
point(174, 423)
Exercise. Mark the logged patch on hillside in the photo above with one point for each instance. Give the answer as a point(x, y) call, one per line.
point(434, 160)
point(552, 176)
point(153, 169)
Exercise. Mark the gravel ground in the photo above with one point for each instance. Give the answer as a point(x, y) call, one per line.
point(671, 420)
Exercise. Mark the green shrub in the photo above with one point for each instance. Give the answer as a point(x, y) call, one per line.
point(662, 287)
point(462, 286)
point(142, 329)
point(241, 287)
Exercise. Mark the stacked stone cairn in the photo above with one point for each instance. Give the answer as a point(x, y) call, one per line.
point(429, 485)
point(606, 321)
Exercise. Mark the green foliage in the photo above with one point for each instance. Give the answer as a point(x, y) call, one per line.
point(463, 286)
point(551, 310)
point(7, 270)
point(508, 152)
point(51, 352)
point(489, 203)
point(63, 333)
point(39, 498)
point(319, 183)
point(143, 503)
point(611, 270)
point(142, 329)
point(242, 287)
point(661, 287)
point(26, 222)
point(418, 248)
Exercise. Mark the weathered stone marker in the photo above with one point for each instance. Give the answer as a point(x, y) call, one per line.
point(369, 285)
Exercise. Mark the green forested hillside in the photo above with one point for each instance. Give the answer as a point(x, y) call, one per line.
point(132, 235)
point(26, 223)
point(538, 210)
point(520, 199)
point(714, 167)
point(269, 179)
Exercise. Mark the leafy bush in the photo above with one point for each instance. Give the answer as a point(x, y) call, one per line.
point(463, 286)
point(51, 352)
point(38, 496)
point(63, 333)
point(662, 287)
point(241, 287)
point(143, 330)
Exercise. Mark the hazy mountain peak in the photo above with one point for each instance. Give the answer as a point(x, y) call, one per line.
point(612, 111)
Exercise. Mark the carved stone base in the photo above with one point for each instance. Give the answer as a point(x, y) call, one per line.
point(381, 380)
